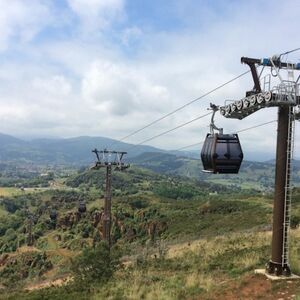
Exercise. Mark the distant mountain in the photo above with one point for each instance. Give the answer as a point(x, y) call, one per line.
point(256, 175)
point(8, 139)
point(258, 156)
point(295, 162)
point(75, 151)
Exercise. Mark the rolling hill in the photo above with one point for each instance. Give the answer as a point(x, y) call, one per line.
point(253, 175)
point(75, 151)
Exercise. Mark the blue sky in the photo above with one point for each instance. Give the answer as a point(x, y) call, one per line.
point(108, 67)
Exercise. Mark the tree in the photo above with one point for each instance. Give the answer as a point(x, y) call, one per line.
point(95, 265)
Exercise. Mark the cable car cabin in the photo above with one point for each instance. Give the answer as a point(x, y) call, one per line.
point(82, 207)
point(53, 214)
point(222, 153)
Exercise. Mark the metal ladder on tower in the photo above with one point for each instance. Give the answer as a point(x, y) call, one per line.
point(288, 189)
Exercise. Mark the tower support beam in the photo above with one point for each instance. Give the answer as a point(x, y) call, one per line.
point(278, 265)
point(108, 159)
point(107, 206)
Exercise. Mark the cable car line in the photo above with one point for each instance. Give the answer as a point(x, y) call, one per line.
point(189, 146)
point(242, 130)
point(170, 130)
point(253, 127)
point(288, 52)
point(200, 143)
point(180, 108)
point(190, 102)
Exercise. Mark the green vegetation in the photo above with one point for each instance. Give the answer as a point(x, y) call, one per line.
point(201, 268)
point(23, 267)
point(95, 265)
point(180, 238)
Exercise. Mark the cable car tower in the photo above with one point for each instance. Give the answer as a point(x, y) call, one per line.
point(284, 94)
point(108, 159)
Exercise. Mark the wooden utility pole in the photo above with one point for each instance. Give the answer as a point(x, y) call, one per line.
point(109, 159)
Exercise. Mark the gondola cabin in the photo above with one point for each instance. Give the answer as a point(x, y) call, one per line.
point(82, 207)
point(53, 214)
point(222, 153)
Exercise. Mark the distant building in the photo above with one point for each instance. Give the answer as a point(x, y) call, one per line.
point(215, 193)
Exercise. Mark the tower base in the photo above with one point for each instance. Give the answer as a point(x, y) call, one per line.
point(274, 277)
point(277, 269)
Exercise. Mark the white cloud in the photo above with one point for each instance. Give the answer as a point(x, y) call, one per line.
point(79, 86)
point(57, 86)
point(118, 89)
point(96, 14)
point(131, 34)
point(21, 20)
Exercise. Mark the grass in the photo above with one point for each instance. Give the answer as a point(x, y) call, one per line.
point(190, 269)
point(243, 185)
point(295, 251)
point(197, 269)
point(10, 191)
point(13, 191)
point(212, 217)
point(97, 203)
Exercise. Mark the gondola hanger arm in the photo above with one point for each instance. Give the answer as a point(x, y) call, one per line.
point(212, 125)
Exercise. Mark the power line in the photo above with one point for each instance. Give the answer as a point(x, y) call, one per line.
point(181, 107)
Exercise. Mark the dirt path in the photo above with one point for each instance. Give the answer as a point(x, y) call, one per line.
point(51, 279)
point(258, 287)
point(55, 249)
point(49, 283)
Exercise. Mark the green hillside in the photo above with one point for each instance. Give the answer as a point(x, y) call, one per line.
point(173, 237)
point(253, 175)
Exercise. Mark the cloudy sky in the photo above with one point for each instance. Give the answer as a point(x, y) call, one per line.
point(109, 67)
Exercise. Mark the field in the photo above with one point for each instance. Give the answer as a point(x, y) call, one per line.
point(9, 191)
point(203, 269)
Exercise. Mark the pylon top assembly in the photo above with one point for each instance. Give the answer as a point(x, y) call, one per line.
point(110, 158)
point(265, 93)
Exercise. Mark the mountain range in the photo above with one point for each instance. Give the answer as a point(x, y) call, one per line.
point(75, 151)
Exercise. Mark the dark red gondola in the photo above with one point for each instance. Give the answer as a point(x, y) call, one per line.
point(221, 153)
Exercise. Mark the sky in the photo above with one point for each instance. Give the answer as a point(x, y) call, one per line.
point(108, 67)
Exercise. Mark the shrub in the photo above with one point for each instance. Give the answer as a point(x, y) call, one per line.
point(95, 265)
point(295, 221)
